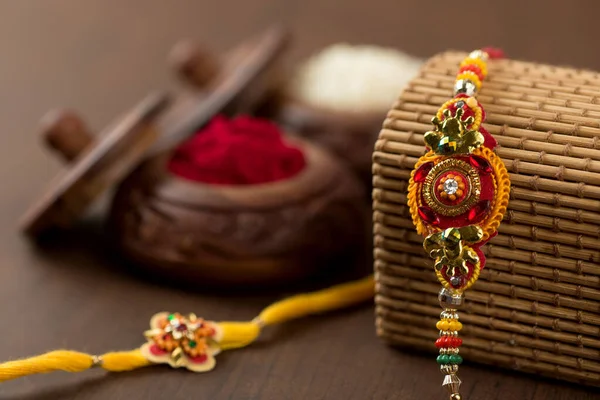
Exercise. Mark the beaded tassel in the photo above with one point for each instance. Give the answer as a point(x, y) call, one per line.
point(449, 342)
point(457, 197)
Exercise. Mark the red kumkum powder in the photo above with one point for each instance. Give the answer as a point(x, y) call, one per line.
point(239, 151)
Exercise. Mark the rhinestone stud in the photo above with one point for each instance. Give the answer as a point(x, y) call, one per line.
point(465, 86)
point(450, 186)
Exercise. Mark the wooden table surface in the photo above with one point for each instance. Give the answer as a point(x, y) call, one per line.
point(100, 57)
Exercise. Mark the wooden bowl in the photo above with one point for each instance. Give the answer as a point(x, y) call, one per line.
point(241, 235)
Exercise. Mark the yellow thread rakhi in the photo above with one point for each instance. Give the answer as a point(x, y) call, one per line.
point(457, 195)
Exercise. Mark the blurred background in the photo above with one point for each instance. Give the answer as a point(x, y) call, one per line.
point(102, 56)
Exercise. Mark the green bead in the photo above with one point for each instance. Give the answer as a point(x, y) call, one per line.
point(192, 343)
point(443, 359)
point(455, 359)
point(171, 317)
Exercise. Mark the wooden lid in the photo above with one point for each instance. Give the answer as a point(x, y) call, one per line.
point(145, 130)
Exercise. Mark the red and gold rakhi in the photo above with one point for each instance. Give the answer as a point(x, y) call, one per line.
point(457, 195)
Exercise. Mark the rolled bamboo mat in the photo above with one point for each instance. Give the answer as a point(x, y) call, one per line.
point(536, 306)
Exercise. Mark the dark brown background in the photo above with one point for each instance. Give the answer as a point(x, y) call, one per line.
point(101, 56)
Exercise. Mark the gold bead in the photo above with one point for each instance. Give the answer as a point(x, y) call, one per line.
point(455, 396)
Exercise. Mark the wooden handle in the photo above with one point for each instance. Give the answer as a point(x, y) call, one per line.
point(66, 133)
point(193, 64)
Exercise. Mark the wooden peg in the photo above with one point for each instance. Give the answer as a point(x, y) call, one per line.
point(193, 64)
point(65, 133)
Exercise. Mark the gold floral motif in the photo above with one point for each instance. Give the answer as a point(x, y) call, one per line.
point(448, 248)
point(451, 135)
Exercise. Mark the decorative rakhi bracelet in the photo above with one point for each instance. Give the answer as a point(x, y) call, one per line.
point(457, 195)
point(190, 342)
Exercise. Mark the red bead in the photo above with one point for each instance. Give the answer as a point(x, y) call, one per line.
point(457, 342)
point(440, 342)
point(422, 172)
point(472, 68)
point(478, 211)
point(428, 216)
point(481, 164)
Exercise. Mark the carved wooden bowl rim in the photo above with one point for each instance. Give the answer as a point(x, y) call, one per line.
point(319, 174)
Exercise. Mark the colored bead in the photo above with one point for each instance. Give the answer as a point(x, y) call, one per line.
point(192, 343)
point(478, 211)
point(443, 359)
point(465, 86)
point(443, 325)
point(428, 216)
point(476, 61)
point(422, 172)
point(454, 326)
point(472, 102)
point(472, 68)
point(457, 342)
point(439, 343)
point(455, 359)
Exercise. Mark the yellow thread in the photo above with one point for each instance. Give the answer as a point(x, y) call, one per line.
point(123, 360)
point(336, 297)
point(470, 282)
point(238, 334)
point(502, 192)
point(413, 195)
point(70, 361)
